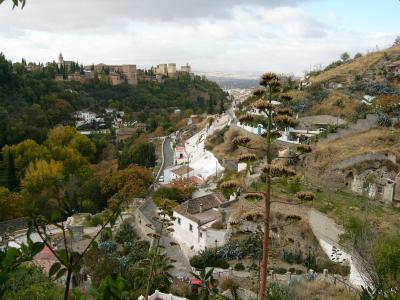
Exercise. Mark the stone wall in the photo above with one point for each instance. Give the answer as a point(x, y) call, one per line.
point(140, 220)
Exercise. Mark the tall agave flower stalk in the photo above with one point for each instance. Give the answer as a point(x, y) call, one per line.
point(277, 119)
point(164, 221)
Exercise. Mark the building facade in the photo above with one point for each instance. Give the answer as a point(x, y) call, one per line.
point(193, 223)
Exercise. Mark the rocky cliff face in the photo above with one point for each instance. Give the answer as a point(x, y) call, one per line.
point(372, 175)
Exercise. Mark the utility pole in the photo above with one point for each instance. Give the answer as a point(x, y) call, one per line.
point(188, 167)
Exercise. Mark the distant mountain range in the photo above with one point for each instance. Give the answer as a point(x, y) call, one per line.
point(233, 80)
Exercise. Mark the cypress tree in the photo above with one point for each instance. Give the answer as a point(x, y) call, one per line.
point(12, 181)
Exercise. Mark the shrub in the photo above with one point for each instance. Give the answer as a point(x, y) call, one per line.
point(333, 267)
point(125, 233)
point(228, 283)
point(231, 250)
point(383, 120)
point(239, 267)
point(293, 157)
point(305, 196)
point(318, 95)
point(294, 185)
point(253, 267)
point(252, 246)
point(108, 246)
point(96, 220)
point(292, 258)
point(208, 258)
point(276, 291)
point(281, 271)
point(104, 236)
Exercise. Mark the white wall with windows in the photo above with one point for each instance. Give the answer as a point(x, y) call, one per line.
point(191, 236)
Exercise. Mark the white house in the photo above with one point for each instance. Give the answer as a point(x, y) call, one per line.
point(183, 172)
point(180, 156)
point(86, 116)
point(195, 223)
point(296, 136)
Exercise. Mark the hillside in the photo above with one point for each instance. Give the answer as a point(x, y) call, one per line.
point(340, 89)
point(31, 102)
point(364, 66)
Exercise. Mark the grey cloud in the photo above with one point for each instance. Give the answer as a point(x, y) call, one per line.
point(99, 15)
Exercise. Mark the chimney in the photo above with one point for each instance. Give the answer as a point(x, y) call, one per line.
point(201, 207)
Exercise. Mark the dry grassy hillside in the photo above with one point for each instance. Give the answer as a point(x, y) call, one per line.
point(220, 143)
point(380, 140)
point(337, 104)
point(357, 67)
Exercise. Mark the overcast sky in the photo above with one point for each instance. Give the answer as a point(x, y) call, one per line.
point(212, 35)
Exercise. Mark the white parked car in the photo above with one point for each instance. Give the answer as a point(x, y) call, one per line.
point(161, 178)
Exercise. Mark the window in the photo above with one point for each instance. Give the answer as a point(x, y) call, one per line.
point(179, 221)
point(190, 227)
point(201, 234)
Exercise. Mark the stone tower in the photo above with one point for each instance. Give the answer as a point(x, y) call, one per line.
point(60, 60)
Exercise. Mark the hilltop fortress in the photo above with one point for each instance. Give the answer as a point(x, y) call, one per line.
point(117, 74)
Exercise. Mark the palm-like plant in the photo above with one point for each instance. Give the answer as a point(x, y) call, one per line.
point(208, 283)
point(277, 119)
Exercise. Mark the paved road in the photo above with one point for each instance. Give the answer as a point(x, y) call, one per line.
point(168, 154)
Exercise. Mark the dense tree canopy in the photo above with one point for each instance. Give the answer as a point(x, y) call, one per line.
point(31, 101)
point(143, 154)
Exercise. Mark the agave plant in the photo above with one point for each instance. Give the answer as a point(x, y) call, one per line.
point(276, 117)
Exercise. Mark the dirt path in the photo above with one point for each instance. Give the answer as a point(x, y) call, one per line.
point(324, 227)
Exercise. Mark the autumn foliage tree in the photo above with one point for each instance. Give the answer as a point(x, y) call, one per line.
point(11, 204)
point(46, 191)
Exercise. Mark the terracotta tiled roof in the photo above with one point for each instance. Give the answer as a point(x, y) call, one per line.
point(192, 206)
point(196, 180)
point(182, 170)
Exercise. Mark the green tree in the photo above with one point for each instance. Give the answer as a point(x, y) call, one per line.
point(11, 260)
point(46, 192)
point(357, 55)
point(345, 57)
point(397, 41)
point(143, 154)
point(378, 258)
point(29, 282)
point(11, 203)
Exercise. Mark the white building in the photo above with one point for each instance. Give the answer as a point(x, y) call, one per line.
point(86, 116)
point(194, 220)
point(180, 156)
point(181, 173)
point(297, 136)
